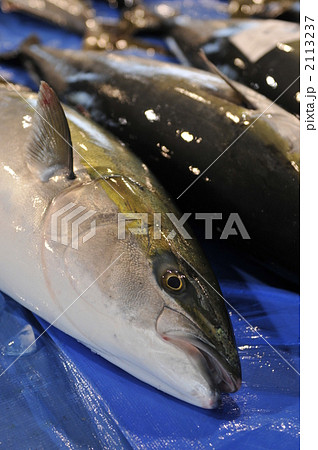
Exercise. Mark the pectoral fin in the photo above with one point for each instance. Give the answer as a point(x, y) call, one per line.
point(49, 149)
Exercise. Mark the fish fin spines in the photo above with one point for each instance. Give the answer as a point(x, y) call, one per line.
point(49, 149)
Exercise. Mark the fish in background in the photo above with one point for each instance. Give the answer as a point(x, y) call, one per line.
point(182, 121)
point(123, 4)
point(274, 9)
point(148, 303)
point(80, 17)
point(106, 34)
point(70, 14)
point(263, 54)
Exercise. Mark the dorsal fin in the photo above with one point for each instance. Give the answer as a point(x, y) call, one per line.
point(213, 69)
point(50, 146)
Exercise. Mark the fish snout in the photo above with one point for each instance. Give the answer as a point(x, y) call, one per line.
point(177, 329)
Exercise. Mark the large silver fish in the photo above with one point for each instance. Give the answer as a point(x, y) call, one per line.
point(148, 303)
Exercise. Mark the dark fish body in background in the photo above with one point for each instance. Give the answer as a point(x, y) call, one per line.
point(274, 9)
point(103, 34)
point(71, 14)
point(179, 121)
point(123, 4)
point(80, 17)
point(263, 54)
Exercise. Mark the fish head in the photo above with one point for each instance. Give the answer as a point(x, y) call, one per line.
point(138, 303)
point(192, 347)
point(194, 319)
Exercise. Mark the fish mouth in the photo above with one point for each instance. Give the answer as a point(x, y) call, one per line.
point(220, 378)
point(213, 366)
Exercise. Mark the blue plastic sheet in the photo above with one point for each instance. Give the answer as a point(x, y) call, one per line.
point(61, 395)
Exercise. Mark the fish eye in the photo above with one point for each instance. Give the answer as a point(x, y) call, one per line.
point(173, 281)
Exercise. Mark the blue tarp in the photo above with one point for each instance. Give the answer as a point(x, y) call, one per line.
point(61, 395)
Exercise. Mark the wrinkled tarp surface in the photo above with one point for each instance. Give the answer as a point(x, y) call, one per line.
point(61, 395)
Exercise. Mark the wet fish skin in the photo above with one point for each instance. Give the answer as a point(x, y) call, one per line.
point(70, 14)
point(281, 65)
point(179, 121)
point(186, 36)
point(109, 294)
